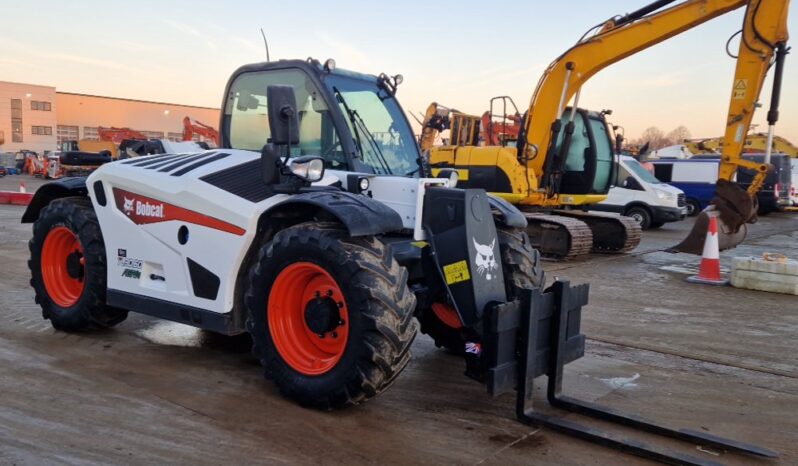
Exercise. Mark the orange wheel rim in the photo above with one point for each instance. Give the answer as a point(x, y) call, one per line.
point(63, 266)
point(447, 314)
point(308, 318)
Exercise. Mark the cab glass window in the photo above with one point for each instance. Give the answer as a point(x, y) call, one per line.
point(246, 111)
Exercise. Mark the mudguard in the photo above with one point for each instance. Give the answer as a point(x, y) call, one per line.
point(508, 213)
point(64, 187)
point(361, 215)
point(461, 231)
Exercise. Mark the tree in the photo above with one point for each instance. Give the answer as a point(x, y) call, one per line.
point(678, 135)
point(653, 136)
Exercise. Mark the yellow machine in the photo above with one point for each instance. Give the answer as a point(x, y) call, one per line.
point(756, 142)
point(564, 155)
point(464, 128)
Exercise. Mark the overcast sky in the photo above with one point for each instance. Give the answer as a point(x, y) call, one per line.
point(457, 53)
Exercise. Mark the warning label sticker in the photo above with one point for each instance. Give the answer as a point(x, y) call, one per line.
point(740, 87)
point(456, 273)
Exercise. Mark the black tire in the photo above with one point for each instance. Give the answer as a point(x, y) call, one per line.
point(522, 269)
point(656, 225)
point(693, 208)
point(379, 304)
point(641, 215)
point(89, 310)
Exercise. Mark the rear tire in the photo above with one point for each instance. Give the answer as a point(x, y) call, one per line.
point(374, 315)
point(68, 267)
point(522, 269)
point(693, 208)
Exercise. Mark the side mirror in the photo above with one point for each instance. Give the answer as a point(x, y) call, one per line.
point(631, 183)
point(283, 118)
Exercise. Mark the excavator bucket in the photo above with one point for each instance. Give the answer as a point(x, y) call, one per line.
point(735, 209)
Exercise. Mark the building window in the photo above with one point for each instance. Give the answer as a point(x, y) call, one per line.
point(16, 120)
point(153, 134)
point(90, 133)
point(40, 105)
point(174, 137)
point(66, 133)
point(41, 130)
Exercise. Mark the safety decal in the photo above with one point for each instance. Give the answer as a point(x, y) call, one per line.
point(740, 86)
point(143, 210)
point(456, 272)
point(131, 273)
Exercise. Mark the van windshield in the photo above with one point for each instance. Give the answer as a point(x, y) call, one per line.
point(635, 167)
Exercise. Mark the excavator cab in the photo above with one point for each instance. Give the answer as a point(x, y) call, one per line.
point(589, 165)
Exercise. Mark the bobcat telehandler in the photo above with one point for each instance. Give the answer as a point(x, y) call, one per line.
point(564, 155)
point(314, 229)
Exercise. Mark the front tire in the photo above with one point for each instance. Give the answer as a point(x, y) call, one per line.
point(68, 267)
point(331, 316)
point(640, 215)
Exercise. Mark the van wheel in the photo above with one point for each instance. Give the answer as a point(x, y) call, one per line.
point(693, 208)
point(641, 216)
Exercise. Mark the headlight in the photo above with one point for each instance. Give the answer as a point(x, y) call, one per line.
point(308, 168)
point(664, 195)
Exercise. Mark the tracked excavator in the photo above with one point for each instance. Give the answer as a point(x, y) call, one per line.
point(564, 158)
point(555, 229)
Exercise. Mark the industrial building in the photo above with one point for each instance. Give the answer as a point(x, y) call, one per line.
point(39, 118)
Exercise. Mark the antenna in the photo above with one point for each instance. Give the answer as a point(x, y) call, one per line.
point(266, 44)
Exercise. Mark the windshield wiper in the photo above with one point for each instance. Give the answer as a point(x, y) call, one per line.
point(357, 128)
point(373, 143)
point(351, 118)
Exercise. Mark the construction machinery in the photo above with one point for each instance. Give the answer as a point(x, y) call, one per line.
point(196, 127)
point(464, 129)
point(117, 135)
point(328, 246)
point(564, 155)
point(755, 142)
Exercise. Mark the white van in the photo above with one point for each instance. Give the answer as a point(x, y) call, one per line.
point(638, 194)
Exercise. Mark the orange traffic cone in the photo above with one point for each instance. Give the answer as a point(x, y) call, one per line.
point(22, 188)
point(709, 270)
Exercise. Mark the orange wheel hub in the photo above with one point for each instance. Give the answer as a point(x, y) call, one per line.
point(308, 318)
point(447, 314)
point(63, 266)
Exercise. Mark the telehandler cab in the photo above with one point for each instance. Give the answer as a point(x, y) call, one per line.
point(314, 229)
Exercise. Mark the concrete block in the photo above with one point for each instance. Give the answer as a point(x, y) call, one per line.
point(758, 274)
point(756, 264)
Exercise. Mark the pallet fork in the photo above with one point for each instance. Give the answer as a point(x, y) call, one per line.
point(547, 328)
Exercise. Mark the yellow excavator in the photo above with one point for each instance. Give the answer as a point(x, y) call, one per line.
point(564, 154)
point(753, 143)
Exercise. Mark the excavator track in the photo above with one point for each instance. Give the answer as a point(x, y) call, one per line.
point(558, 237)
point(612, 234)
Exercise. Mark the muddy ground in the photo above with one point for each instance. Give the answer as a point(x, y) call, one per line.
point(720, 360)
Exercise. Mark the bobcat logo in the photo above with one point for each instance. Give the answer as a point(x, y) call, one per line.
point(128, 207)
point(485, 260)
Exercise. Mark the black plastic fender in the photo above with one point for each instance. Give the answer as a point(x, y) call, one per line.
point(461, 231)
point(508, 213)
point(361, 215)
point(47, 193)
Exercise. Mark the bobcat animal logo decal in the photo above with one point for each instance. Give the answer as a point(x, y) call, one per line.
point(485, 259)
point(128, 206)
